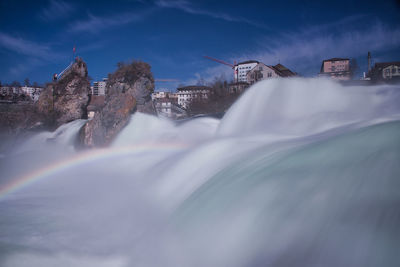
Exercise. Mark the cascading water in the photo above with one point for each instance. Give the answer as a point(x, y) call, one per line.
point(299, 172)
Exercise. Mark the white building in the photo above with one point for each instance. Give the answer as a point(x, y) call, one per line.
point(99, 88)
point(188, 94)
point(385, 71)
point(173, 96)
point(242, 68)
point(32, 92)
point(391, 71)
point(158, 95)
point(9, 90)
point(162, 94)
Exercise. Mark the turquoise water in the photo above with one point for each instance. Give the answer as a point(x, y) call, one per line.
point(330, 203)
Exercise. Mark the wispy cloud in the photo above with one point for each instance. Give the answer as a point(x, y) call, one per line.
point(24, 47)
point(304, 50)
point(34, 54)
point(209, 75)
point(185, 6)
point(90, 47)
point(25, 66)
point(96, 24)
point(56, 10)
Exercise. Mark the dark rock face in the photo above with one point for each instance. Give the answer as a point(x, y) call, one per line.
point(107, 123)
point(15, 118)
point(142, 90)
point(67, 99)
point(128, 90)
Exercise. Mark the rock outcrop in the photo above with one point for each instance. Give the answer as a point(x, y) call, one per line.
point(66, 99)
point(128, 90)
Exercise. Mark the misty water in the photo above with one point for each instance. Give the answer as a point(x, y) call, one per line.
point(299, 172)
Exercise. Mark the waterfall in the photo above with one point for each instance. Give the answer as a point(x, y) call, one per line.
point(299, 172)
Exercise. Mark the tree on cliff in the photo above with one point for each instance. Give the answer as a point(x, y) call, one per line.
point(130, 72)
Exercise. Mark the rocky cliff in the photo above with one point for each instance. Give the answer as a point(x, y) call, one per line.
point(128, 90)
point(66, 99)
point(60, 102)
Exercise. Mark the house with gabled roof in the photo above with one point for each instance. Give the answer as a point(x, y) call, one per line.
point(385, 71)
point(262, 72)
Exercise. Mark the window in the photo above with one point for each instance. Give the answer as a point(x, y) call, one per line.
point(269, 74)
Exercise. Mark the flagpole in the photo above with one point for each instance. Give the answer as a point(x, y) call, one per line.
point(73, 53)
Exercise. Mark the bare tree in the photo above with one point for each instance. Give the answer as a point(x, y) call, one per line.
point(15, 84)
point(218, 102)
point(27, 82)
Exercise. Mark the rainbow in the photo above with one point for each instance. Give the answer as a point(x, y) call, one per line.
point(78, 160)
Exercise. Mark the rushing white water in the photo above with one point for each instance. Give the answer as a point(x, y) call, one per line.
point(299, 172)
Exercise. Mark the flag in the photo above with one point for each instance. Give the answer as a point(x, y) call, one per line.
point(74, 49)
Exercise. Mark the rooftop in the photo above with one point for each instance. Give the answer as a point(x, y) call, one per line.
point(166, 100)
point(246, 62)
point(335, 59)
point(193, 87)
point(386, 64)
point(332, 60)
point(285, 72)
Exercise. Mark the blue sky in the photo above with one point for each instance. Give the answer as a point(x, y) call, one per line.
point(37, 37)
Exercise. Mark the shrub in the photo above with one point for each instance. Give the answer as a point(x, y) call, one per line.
point(130, 73)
